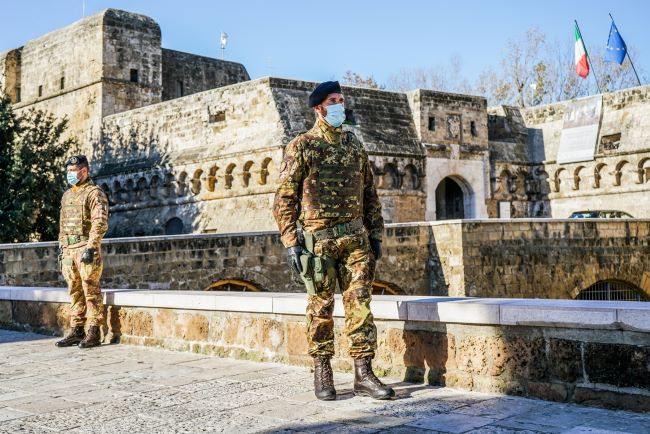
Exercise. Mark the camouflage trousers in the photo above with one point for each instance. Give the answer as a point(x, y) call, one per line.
point(83, 287)
point(354, 273)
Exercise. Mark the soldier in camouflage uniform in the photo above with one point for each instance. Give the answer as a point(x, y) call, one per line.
point(83, 223)
point(329, 217)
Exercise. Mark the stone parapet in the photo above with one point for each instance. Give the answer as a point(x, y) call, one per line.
point(530, 258)
point(593, 353)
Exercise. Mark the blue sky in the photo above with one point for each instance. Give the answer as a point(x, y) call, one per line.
point(321, 40)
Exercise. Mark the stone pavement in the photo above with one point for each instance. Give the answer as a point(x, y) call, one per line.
point(127, 389)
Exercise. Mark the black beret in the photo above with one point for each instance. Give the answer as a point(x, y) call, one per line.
point(322, 90)
point(77, 160)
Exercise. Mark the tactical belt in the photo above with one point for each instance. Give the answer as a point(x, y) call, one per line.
point(342, 229)
point(74, 239)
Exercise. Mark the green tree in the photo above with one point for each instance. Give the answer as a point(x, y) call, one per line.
point(32, 154)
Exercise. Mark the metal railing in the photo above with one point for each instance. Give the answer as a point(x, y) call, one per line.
point(611, 290)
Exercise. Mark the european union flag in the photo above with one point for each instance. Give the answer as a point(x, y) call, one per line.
point(616, 48)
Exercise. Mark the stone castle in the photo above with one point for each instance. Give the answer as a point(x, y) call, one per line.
point(189, 144)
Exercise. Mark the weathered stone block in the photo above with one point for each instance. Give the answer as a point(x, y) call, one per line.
point(617, 364)
point(565, 360)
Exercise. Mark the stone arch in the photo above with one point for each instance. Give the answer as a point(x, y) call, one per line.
point(168, 189)
point(391, 178)
point(154, 185)
point(117, 192)
point(246, 173)
point(599, 170)
point(195, 183)
point(181, 184)
point(619, 172)
point(542, 179)
point(265, 170)
point(612, 290)
point(576, 177)
point(454, 199)
point(505, 184)
point(212, 178)
point(140, 189)
point(234, 285)
point(128, 190)
point(644, 170)
point(381, 287)
point(229, 177)
point(557, 179)
point(519, 182)
point(107, 191)
point(411, 179)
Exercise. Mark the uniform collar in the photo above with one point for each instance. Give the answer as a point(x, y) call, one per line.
point(326, 131)
point(81, 185)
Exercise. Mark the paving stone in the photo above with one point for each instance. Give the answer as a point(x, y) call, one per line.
point(43, 405)
point(157, 391)
point(20, 427)
point(361, 419)
point(451, 423)
point(128, 424)
point(9, 413)
point(501, 408)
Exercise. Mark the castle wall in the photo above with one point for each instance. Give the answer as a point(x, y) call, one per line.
point(10, 70)
point(209, 159)
point(184, 73)
point(131, 62)
point(619, 177)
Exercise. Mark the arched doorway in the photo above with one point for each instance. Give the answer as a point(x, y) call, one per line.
point(174, 226)
point(450, 200)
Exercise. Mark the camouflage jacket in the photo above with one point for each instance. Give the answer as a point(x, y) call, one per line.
point(84, 212)
point(325, 179)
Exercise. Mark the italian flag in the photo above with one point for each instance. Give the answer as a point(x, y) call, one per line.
point(582, 66)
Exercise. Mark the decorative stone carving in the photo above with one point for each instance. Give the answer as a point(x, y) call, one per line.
point(453, 126)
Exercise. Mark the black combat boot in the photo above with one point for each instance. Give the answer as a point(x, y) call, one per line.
point(74, 336)
point(366, 383)
point(324, 379)
point(92, 339)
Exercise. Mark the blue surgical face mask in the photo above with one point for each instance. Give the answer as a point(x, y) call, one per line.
point(335, 115)
point(72, 178)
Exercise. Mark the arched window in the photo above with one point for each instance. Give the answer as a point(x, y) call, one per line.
point(174, 226)
point(411, 179)
point(611, 290)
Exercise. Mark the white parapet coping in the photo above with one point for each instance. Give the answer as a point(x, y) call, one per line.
point(625, 315)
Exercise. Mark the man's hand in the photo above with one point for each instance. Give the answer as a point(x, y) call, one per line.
point(88, 256)
point(375, 246)
point(293, 258)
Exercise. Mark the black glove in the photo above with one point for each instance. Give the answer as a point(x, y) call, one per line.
point(88, 256)
point(293, 258)
point(375, 246)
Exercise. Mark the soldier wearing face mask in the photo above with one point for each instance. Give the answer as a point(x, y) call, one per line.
point(329, 217)
point(83, 223)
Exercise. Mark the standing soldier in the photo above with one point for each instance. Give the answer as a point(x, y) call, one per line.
point(326, 187)
point(83, 223)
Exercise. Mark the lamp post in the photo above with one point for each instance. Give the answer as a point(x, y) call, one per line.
point(224, 42)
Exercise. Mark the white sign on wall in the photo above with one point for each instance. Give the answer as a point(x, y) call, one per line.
point(580, 130)
point(504, 210)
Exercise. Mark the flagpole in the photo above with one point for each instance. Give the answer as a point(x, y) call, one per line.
point(588, 58)
point(627, 53)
